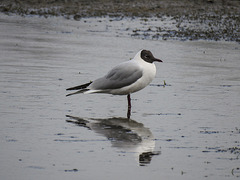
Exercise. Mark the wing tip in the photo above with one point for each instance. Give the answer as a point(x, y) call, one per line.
point(80, 91)
point(83, 86)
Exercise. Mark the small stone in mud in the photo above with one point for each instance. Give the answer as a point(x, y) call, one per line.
point(71, 170)
point(77, 17)
point(59, 134)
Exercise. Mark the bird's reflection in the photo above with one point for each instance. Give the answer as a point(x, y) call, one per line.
point(125, 134)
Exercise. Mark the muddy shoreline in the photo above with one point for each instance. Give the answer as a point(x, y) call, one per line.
point(182, 20)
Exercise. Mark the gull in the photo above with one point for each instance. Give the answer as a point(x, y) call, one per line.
point(124, 79)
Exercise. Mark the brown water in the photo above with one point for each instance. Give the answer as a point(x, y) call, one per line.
point(189, 129)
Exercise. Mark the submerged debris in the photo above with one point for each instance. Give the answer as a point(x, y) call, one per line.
point(232, 150)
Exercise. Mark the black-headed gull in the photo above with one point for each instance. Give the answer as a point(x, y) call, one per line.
point(124, 79)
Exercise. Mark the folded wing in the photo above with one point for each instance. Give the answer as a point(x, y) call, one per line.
point(122, 75)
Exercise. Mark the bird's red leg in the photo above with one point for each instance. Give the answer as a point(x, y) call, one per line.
point(129, 106)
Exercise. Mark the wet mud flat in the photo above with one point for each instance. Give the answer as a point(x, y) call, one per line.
point(185, 125)
point(182, 20)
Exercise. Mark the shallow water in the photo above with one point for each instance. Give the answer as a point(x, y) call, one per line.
point(187, 129)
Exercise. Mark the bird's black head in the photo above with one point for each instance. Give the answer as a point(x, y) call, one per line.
point(148, 57)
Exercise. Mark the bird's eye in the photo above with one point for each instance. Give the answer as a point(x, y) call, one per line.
point(146, 56)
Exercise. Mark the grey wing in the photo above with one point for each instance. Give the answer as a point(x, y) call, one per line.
point(120, 76)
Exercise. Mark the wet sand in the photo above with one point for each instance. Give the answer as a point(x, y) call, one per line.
point(187, 129)
point(182, 20)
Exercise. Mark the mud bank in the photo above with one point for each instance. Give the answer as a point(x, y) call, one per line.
point(182, 20)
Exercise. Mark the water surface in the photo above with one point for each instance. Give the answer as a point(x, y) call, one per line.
point(187, 129)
